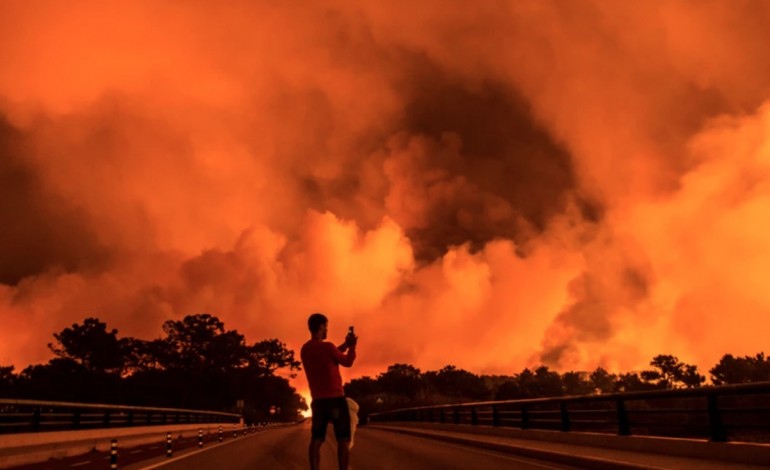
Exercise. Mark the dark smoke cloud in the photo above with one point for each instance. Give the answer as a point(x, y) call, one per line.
point(40, 231)
point(512, 176)
point(589, 319)
point(488, 169)
point(540, 177)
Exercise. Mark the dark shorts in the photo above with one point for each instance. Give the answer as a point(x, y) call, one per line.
point(334, 410)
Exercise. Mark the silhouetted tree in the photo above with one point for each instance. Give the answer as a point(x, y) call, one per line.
point(268, 396)
point(67, 379)
point(91, 345)
point(401, 379)
point(509, 390)
point(577, 383)
point(7, 380)
point(632, 382)
point(269, 355)
point(142, 356)
point(362, 387)
point(200, 342)
point(670, 373)
point(542, 383)
point(738, 370)
point(197, 364)
point(602, 380)
point(456, 383)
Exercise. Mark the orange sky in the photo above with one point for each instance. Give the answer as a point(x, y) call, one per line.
point(494, 185)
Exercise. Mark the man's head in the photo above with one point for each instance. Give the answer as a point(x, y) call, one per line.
point(318, 325)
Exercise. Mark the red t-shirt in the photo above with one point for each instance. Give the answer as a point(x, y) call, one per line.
point(321, 361)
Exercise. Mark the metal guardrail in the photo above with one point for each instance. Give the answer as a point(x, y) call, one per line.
point(33, 416)
point(732, 412)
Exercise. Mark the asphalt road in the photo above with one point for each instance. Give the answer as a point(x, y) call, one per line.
point(374, 449)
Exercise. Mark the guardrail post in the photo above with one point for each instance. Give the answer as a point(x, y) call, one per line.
point(200, 438)
point(430, 416)
point(624, 427)
point(114, 454)
point(76, 419)
point(130, 418)
point(106, 419)
point(36, 418)
point(565, 424)
point(524, 418)
point(442, 415)
point(169, 450)
point(495, 416)
point(457, 415)
point(474, 416)
point(716, 426)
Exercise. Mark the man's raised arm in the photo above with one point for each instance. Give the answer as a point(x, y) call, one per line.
point(345, 360)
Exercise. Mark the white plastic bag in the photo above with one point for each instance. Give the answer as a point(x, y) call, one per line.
point(353, 409)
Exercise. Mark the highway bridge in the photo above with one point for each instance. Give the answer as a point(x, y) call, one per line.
point(712, 428)
point(380, 448)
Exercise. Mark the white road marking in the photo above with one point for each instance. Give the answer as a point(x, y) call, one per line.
point(198, 451)
point(80, 463)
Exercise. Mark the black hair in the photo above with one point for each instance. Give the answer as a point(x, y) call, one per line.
point(315, 321)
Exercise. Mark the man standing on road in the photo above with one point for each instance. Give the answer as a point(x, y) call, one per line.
point(321, 360)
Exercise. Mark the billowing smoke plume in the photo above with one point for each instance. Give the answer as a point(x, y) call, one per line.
point(498, 185)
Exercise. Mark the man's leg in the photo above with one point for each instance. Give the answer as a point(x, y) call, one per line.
point(343, 453)
point(315, 453)
point(320, 421)
point(342, 432)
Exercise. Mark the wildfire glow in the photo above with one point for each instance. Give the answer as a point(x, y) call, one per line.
point(491, 185)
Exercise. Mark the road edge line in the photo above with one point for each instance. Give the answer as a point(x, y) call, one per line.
point(216, 445)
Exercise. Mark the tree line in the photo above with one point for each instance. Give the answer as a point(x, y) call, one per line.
point(196, 364)
point(403, 385)
point(199, 364)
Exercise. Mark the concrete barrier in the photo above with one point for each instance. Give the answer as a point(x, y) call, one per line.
point(26, 448)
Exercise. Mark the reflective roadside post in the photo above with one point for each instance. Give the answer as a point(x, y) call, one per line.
point(168, 445)
point(114, 454)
